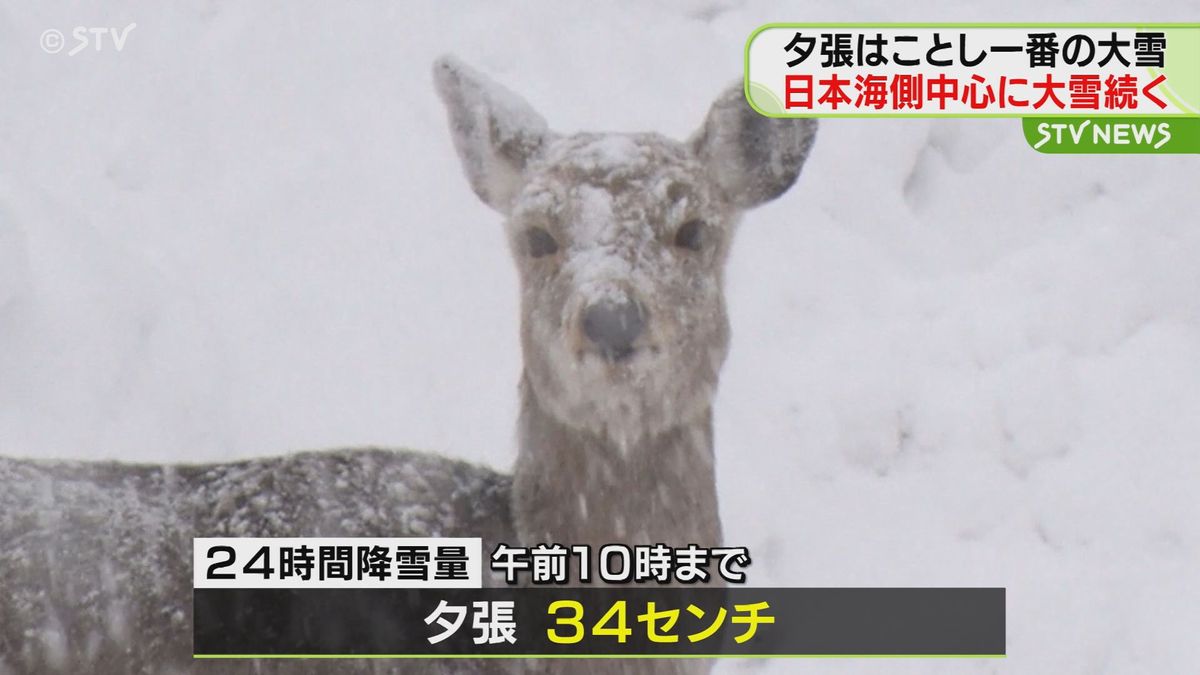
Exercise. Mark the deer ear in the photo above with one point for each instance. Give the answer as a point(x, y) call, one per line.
point(752, 158)
point(495, 131)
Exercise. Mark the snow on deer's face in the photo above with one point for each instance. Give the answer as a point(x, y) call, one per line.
point(620, 240)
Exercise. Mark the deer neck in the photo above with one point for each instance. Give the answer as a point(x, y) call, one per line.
point(572, 486)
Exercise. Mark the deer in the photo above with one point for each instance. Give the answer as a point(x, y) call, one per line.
point(620, 241)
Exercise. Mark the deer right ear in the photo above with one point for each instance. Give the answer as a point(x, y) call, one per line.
point(496, 132)
point(753, 158)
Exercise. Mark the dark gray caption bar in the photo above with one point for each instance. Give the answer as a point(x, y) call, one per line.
point(803, 622)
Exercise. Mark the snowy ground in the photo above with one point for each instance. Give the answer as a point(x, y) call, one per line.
point(955, 361)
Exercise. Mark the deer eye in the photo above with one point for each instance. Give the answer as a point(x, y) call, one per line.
point(540, 242)
point(690, 235)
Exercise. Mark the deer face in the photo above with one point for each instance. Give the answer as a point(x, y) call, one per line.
point(620, 240)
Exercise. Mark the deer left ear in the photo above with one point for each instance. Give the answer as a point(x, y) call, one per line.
point(496, 133)
point(752, 158)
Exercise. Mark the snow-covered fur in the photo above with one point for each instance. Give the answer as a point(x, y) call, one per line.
point(96, 558)
point(620, 240)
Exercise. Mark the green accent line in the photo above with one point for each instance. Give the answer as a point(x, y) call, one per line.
point(763, 94)
point(600, 656)
point(1166, 90)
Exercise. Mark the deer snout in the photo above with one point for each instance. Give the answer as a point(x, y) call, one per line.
point(613, 326)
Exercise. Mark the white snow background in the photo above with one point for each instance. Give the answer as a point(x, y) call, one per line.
point(955, 361)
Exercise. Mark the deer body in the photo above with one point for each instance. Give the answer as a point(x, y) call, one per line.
point(620, 241)
point(95, 561)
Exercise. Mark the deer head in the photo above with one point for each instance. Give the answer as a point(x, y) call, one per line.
point(620, 241)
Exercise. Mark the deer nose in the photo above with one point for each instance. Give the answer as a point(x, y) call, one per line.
point(613, 326)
